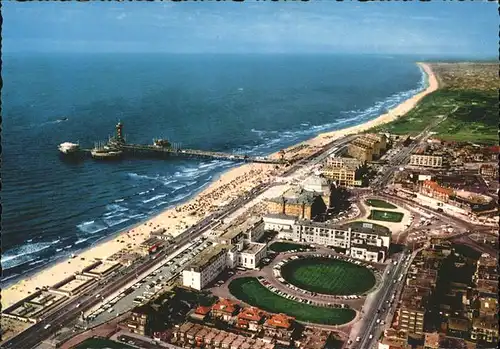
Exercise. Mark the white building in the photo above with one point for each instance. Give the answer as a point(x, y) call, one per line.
point(205, 267)
point(426, 160)
point(360, 240)
point(280, 223)
point(247, 255)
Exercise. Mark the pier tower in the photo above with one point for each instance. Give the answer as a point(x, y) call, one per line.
point(119, 133)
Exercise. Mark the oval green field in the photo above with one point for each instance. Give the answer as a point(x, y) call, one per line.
point(251, 291)
point(328, 276)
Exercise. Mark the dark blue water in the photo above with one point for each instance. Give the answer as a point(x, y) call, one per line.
point(253, 104)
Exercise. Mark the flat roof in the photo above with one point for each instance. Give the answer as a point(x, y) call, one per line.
point(201, 260)
point(230, 231)
point(281, 216)
point(73, 284)
point(103, 267)
point(253, 248)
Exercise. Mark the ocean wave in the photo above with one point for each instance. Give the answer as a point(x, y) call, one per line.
point(23, 254)
point(116, 208)
point(38, 262)
point(113, 222)
point(156, 197)
point(119, 200)
point(78, 242)
point(91, 227)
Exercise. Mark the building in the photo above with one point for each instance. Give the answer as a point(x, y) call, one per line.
point(360, 151)
point(252, 230)
point(489, 171)
point(247, 255)
point(360, 240)
point(205, 267)
point(394, 339)
point(412, 309)
point(280, 223)
point(319, 186)
point(313, 339)
point(367, 147)
point(298, 202)
point(250, 319)
point(426, 160)
point(343, 171)
point(485, 330)
point(225, 310)
point(280, 327)
point(434, 190)
point(140, 319)
point(200, 336)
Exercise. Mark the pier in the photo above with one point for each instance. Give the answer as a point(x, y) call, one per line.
point(117, 147)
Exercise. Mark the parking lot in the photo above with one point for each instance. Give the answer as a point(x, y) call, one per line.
point(149, 286)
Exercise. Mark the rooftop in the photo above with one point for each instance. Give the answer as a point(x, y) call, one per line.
point(207, 256)
point(225, 306)
point(253, 248)
point(281, 216)
point(231, 231)
point(296, 195)
point(280, 321)
point(251, 314)
point(436, 187)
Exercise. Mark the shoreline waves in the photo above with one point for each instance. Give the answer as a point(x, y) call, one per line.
point(231, 183)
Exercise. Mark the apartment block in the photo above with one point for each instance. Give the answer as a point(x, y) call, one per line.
point(412, 309)
point(205, 267)
point(426, 160)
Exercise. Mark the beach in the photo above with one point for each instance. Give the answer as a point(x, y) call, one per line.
point(230, 184)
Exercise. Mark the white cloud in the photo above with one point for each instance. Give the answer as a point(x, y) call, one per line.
point(121, 16)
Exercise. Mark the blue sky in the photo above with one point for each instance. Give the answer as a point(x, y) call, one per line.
point(319, 26)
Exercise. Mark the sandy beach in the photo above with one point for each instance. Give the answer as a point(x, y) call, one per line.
point(229, 185)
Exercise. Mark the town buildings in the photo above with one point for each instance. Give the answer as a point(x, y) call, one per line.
point(343, 171)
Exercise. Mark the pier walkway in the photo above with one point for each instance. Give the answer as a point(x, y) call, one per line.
point(152, 149)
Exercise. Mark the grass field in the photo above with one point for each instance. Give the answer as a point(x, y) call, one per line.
point(249, 290)
point(379, 203)
point(101, 343)
point(328, 276)
point(468, 116)
point(286, 246)
point(387, 216)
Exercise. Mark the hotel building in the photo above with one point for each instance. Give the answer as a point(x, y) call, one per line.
point(205, 267)
point(363, 241)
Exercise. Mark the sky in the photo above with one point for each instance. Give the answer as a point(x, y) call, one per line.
point(318, 26)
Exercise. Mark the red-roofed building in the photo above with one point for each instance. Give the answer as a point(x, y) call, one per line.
point(201, 312)
point(434, 190)
point(225, 309)
point(280, 327)
point(250, 318)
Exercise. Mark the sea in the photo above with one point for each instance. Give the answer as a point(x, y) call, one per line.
point(248, 104)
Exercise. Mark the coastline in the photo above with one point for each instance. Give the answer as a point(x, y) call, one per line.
point(229, 184)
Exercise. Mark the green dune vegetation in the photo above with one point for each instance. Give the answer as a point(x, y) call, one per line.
point(467, 103)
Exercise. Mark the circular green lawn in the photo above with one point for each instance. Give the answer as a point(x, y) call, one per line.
point(251, 291)
point(328, 276)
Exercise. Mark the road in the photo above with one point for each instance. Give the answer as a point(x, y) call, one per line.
point(67, 314)
point(383, 297)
